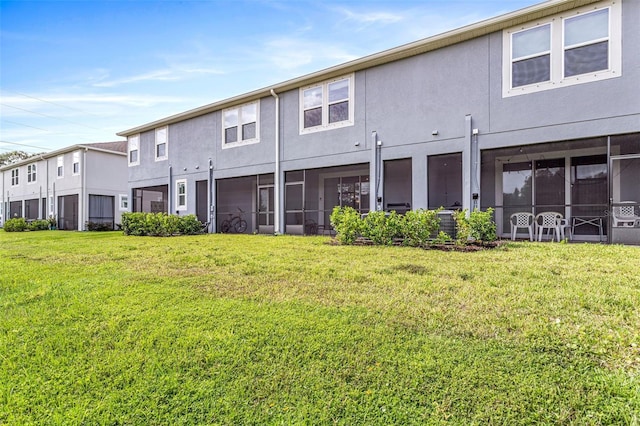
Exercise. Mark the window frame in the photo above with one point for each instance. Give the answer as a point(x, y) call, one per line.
point(325, 104)
point(161, 137)
point(557, 54)
point(239, 125)
point(75, 171)
point(181, 183)
point(60, 167)
point(32, 175)
point(133, 145)
point(123, 202)
point(15, 176)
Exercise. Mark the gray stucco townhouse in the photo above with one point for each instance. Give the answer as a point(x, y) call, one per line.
point(535, 110)
point(76, 185)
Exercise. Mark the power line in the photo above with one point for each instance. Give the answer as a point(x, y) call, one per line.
point(25, 145)
point(49, 116)
point(25, 125)
point(51, 102)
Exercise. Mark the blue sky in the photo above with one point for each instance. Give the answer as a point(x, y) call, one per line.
point(74, 72)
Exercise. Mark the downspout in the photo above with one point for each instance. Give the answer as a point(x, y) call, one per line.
point(46, 197)
point(83, 191)
point(277, 214)
point(376, 172)
point(210, 199)
point(169, 192)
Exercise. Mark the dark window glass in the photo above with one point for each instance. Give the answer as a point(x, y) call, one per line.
point(339, 112)
point(586, 59)
point(530, 71)
point(312, 117)
point(230, 134)
point(249, 131)
point(161, 150)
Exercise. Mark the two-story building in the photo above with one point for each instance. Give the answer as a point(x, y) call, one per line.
point(76, 185)
point(535, 110)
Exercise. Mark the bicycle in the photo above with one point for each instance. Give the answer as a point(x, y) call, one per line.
point(235, 224)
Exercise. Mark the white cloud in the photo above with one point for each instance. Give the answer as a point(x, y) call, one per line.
point(366, 19)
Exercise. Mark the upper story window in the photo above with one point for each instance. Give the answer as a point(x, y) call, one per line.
point(579, 46)
point(31, 173)
point(76, 163)
point(240, 125)
point(60, 168)
point(327, 105)
point(181, 194)
point(161, 143)
point(15, 177)
point(134, 150)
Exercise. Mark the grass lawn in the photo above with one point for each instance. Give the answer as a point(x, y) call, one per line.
point(99, 328)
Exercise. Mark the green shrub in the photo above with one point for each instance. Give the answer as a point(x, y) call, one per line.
point(189, 225)
point(419, 226)
point(38, 225)
point(159, 224)
point(17, 224)
point(133, 223)
point(381, 227)
point(479, 226)
point(99, 226)
point(483, 227)
point(347, 224)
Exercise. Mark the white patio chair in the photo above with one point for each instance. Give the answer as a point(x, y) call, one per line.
point(549, 221)
point(521, 220)
point(625, 215)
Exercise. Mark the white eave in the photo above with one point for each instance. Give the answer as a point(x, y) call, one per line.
point(439, 41)
point(51, 154)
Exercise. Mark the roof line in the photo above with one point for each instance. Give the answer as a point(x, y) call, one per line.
point(481, 28)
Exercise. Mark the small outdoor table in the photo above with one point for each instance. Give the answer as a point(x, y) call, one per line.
point(587, 220)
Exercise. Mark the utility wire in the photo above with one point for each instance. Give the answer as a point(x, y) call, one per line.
point(52, 117)
point(25, 145)
point(25, 125)
point(51, 102)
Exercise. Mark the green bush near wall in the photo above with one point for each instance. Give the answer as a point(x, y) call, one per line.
point(20, 224)
point(416, 228)
point(160, 224)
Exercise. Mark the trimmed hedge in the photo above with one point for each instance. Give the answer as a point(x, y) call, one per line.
point(160, 224)
point(416, 228)
point(20, 224)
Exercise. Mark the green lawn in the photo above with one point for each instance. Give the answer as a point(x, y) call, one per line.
point(99, 328)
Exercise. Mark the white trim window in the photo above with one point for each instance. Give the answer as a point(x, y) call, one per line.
point(162, 143)
point(60, 167)
point(31, 173)
point(134, 150)
point(327, 105)
point(578, 46)
point(75, 167)
point(241, 125)
point(51, 206)
point(123, 202)
point(15, 177)
point(181, 194)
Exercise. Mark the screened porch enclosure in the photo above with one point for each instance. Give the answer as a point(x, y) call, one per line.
point(102, 210)
point(581, 179)
point(311, 195)
point(151, 199)
point(68, 212)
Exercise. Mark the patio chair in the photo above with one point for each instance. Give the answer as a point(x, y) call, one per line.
point(521, 220)
point(625, 215)
point(551, 222)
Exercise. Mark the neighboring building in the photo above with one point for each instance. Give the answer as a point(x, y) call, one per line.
point(77, 185)
point(535, 110)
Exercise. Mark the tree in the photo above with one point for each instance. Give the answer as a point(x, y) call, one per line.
point(13, 156)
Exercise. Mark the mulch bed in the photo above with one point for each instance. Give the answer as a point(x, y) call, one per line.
point(470, 247)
